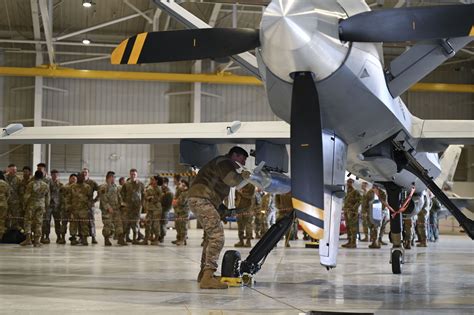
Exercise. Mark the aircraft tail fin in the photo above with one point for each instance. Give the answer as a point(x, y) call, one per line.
point(449, 162)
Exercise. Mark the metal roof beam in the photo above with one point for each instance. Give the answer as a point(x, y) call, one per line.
point(47, 28)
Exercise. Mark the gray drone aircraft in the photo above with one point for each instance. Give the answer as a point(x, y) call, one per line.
point(323, 70)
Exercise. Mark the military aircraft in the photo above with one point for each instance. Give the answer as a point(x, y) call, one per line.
point(322, 66)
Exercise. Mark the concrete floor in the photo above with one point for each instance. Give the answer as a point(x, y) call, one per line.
point(58, 279)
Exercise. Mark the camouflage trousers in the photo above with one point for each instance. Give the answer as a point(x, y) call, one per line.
point(164, 223)
point(79, 222)
point(261, 225)
point(210, 220)
point(112, 223)
point(92, 222)
point(421, 225)
point(181, 225)
point(374, 231)
point(131, 218)
point(244, 225)
point(34, 220)
point(407, 229)
point(3, 218)
point(16, 213)
point(65, 215)
point(365, 221)
point(56, 215)
point(385, 221)
point(352, 222)
point(153, 224)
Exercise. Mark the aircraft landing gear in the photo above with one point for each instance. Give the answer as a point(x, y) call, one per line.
point(396, 260)
point(393, 198)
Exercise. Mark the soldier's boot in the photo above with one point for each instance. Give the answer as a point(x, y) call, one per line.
point(155, 242)
point(27, 241)
point(74, 241)
point(58, 238)
point(84, 241)
point(374, 244)
point(175, 241)
point(36, 242)
point(240, 243)
point(121, 240)
point(248, 243)
point(407, 244)
point(107, 242)
point(140, 236)
point(382, 242)
point(62, 241)
point(94, 241)
point(127, 239)
point(422, 243)
point(208, 281)
point(352, 242)
point(145, 241)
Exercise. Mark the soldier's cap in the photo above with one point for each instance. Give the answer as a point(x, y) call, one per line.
point(38, 175)
point(238, 150)
point(350, 180)
point(54, 172)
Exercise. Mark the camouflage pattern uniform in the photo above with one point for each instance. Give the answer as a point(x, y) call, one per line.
point(110, 198)
point(132, 195)
point(37, 201)
point(21, 196)
point(54, 209)
point(367, 200)
point(365, 214)
point(208, 190)
point(182, 215)
point(66, 212)
point(14, 204)
point(154, 214)
point(261, 225)
point(166, 204)
point(407, 232)
point(351, 214)
point(80, 201)
point(284, 205)
point(245, 199)
point(95, 187)
point(5, 191)
point(421, 223)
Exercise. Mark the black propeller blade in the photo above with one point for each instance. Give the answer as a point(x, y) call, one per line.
point(182, 45)
point(409, 24)
point(307, 175)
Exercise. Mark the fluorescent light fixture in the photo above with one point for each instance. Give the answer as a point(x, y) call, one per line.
point(86, 3)
point(85, 41)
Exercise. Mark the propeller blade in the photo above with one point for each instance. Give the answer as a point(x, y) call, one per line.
point(182, 45)
point(409, 24)
point(307, 175)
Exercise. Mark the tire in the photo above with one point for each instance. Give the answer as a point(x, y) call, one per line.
point(397, 262)
point(230, 264)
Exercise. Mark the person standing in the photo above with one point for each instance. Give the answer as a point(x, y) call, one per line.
point(5, 191)
point(80, 199)
point(133, 192)
point(110, 204)
point(54, 209)
point(21, 192)
point(351, 213)
point(14, 204)
point(208, 190)
point(37, 201)
point(421, 221)
point(374, 229)
point(95, 189)
point(166, 204)
point(365, 212)
point(182, 214)
point(66, 212)
point(284, 205)
point(154, 211)
point(245, 200)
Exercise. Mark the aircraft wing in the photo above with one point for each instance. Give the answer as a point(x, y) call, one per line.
point(436, 135)
point(248, 132)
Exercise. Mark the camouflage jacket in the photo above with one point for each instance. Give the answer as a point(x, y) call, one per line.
point(94, 186)
point(352, 200)
point(265, 204)
point(166, 199)
point(214, 180)
point(109, 197)
point(182, 202)
point(5, 191)
point(22, 189)
point(366, 198)
point(245, 197)
point(65, 193)
point(80, 196)
point(37, 194)
point(133, 194)
point(55, 192)
point(153, 196)
point(14, 182)
point(283, 202)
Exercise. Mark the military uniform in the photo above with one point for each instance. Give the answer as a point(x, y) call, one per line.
point(284, 205)
point(365, 215)
point(95, 187)
point(110, 198)
point(208, 190)
point(154, 215)
point(421, 222)
point(80, 201)
point(166, 204)
point(5, 191)
point(66, 213)
point(37, 201)
point(367, 200)
point(54, 210)
point(433, 226)
point(245, 199)
point(351, 214)
point(182, 215)
point(21, 196)
point(263, 204)
point(407, 232)
point(132, 195)
point(14, 204)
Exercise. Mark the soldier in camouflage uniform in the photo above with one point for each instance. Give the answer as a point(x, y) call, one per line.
point(284, 205)
point(37, 201)
point(14, 204)
point(80, 200)
point(369, 198)
point(407, 231)
point(351, 213)
point(66, 211)
point(41, 167)
point(110, 205)
point(245, 199)
point(166, 204)
point(263, 204)
point(4, 195)
point(421, 222)
point(154, 211)
point(365, 212)
point(95, 188)
point(54, 209)
point(182, 213)
point(21, 191)
point(210, 187)
point(133, 192)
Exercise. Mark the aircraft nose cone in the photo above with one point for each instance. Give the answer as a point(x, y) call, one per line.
point(289, 24)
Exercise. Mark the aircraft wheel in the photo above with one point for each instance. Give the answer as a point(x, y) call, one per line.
point(397, 261)
point(230, 264)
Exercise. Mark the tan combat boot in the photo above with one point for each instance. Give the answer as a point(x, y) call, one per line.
point(248, 243)
point(27, 241)
point(374, 244)
point(121, 240)
point(208, 281)
point(36, 242)
point(239, 243)
point(422, 244)
point(107, 242)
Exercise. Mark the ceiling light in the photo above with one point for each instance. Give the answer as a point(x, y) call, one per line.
point(86, 41)
point(86, 3)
